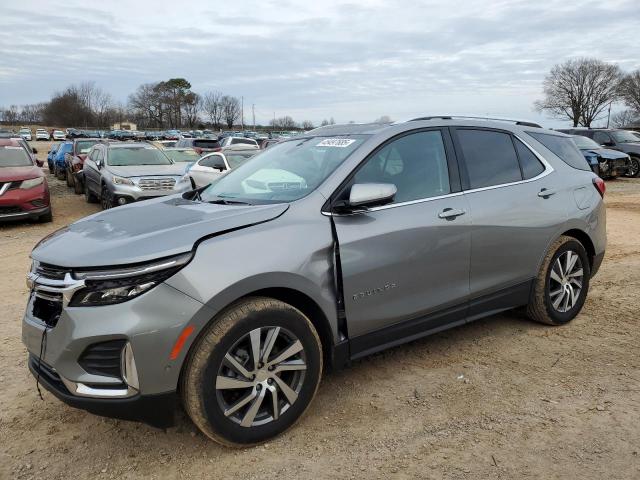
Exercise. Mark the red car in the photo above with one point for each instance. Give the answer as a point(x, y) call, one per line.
point(24, 193)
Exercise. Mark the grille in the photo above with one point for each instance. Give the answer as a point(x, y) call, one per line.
point(47, 307)
point(52, 271)
point(4, 186)
point(157, 183)
point(9, 210)
point(103, 358)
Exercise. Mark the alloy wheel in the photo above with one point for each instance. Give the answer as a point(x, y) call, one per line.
point(634, 167)
point(566, 280)
point(261, 376)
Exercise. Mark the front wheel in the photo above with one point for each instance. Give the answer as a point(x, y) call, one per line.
point(105, 198)
point(252, 373)
point(562, 284)
point(69, 178)
point(89, 196)
point(634, 167)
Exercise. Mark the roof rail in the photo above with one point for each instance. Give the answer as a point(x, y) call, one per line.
point(451, 117)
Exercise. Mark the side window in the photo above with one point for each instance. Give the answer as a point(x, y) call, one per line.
point(416, 164)
point(92, 155)
point(212, 161)
point(489, 157)
point(601, 138)
point(531, 166)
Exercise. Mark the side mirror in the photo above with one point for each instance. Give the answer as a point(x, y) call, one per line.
point(34, 150)
point(39, 162)
point(608, 144)
point(366, 195)
point(99, 164)
point(221, 167)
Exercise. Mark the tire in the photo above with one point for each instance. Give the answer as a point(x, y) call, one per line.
point(554, 285)
point(89, 196)
point(60, 174)
point(634, 167)
point(105, 198)
point(78, 189)
point(69, 177)
point(46, 218)
point(231, 333)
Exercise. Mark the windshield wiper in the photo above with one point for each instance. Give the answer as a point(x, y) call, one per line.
point(222, 201)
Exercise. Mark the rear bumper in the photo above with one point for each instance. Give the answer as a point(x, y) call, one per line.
point(597, 262)
point(155, 410)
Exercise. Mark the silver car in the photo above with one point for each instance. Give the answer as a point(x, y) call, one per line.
point(210, 167)
point(120, 173)
point(344, 241)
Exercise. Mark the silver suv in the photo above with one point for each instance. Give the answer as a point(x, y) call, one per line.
point(121, 173)
point(232, 299)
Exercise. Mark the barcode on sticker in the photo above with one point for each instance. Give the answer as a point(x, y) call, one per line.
point(336, 142)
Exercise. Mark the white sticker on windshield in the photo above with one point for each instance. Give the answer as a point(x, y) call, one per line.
point(11, 147)
point(336, 142)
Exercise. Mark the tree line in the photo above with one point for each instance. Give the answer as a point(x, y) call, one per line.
point(583, 90)
point(169, 104)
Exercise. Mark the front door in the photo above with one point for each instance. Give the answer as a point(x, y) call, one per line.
point(403, 261)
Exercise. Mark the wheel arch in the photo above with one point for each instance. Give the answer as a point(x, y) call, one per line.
point(586, 242)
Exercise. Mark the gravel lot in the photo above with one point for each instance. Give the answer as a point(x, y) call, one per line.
point(499, 398)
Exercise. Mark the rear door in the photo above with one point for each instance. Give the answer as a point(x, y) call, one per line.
point(404, 261)
point(517, 204)
point(90, 169)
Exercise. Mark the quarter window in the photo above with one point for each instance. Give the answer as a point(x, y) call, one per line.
point(416, 164)
point(531, 166)
point(601, 138)
point(489, 157)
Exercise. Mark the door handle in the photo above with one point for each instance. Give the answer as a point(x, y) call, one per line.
point(450, 213)
point(545, 192)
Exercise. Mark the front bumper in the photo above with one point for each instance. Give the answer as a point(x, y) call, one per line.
point(156, 410)
point(132, 193)
point(20, 204)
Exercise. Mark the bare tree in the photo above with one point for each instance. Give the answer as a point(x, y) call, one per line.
point(383, 119)
point(580, 89)
point(625, 118)
point(10, 115)
point(285, 123)
point(192, 105)
point(630, 91)
point(324, 123)
point(212, 106)
point(307, 125)
point(230, 110)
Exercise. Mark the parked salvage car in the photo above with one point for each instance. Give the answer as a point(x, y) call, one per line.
point(604, 162)
point(233, 299)
point(184, 156)
point(117, 174)
point(59, 135)
point(24, 193)
point(74, 162)
point(51, 155)
point(42, 134)
point(228, 141)
point(58, 159)
point(212, 166)
point(25, 133)
point(622, 140)
point(200, 145)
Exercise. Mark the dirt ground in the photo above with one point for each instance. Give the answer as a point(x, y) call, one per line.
point(500, 398)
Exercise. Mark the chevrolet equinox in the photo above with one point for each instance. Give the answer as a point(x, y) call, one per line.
point(231, 299)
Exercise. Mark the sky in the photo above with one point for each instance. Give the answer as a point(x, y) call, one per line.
point(353, 61)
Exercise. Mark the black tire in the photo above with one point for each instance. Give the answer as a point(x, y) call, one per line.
point(202, 399)
point(541, 307)
point(106, 200)
point(89, 196)
point(78, 188)
point(69, 177)
point(634, 167)
point(60, 173)
point(46, 218)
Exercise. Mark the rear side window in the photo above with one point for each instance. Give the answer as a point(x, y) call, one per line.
point(564, 148)
point(531, 166)
point(245, 141)
point(601, 138)
point(206, 143)
point(489, 157)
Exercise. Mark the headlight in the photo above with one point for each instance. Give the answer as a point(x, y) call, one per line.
point(110, 286)
point(121, 181)
point(32, 182)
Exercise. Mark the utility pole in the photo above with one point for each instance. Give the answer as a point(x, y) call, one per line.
point(253, 112)
point(609, 115)
point(242, 114)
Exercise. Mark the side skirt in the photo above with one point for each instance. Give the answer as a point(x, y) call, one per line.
point(423, 326)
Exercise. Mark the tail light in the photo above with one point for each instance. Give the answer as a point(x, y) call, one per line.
point(600, 186)
point(198, 150)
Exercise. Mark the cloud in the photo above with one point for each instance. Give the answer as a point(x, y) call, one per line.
point(352, 61)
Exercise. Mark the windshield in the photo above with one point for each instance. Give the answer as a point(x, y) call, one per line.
point(584, 143)
point(85, 145)
point(11, 156)
point(124, 156)
point(623, 136)
point(187, 155)
point(286, 172)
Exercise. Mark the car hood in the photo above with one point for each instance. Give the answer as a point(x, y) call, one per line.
point(145, 231)
point(174, 170)
point(607, 153)
point(13, 174)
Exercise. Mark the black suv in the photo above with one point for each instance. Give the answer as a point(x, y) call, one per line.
point(622, 140)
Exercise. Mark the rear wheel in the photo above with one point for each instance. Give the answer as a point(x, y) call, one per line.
point(562, 284)
point(252, 373)
point(77, 186)
point(69, 178)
